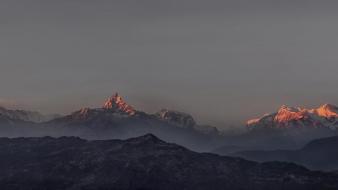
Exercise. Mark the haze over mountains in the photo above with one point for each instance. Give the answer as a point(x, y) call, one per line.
point(296, 126)
point(117, 119)
point(24, 115)
point(148, 162)
point(320, 154)
point(197, 77)
point(287, 128)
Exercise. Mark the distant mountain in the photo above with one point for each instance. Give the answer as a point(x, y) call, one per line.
point(177, 118)
point(144, 162)
point(326, 116)
point(8, 121)
point(116, 104)
point(321, 154)
point(117, 119)
point(14, 123)
point(184, 120)
point(23, 115)
point(291, 127)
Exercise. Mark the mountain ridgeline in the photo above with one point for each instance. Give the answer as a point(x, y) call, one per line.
point(23, 115)
point(287, 128)
point(326, 117)
point(91, 160)
point(117, 119)
point(145, 162)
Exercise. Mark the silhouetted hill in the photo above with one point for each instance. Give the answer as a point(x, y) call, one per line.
point(145, 162)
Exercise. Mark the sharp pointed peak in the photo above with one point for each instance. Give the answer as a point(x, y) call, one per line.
point(115, 95)
point(116, 103)
point(113, 98)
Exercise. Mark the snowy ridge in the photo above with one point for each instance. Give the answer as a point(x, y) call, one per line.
point(325, 116)
point(23, 115)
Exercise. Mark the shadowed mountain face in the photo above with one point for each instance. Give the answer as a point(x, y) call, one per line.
point(145, 162)
point(321, 154)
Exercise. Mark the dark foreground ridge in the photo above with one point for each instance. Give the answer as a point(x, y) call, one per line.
point(144, 162)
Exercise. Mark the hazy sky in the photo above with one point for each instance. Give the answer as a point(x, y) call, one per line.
point(222, 60)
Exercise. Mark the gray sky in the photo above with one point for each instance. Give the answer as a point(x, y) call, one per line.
point(222, 61)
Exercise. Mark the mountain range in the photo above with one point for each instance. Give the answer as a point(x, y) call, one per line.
point(115, 109)
point(287, 128)
point(326, 116)
point(91, 160)
point(24, 115)
point(115, 119)
point(145, 162)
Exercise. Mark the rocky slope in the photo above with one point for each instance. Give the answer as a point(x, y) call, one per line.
point(145, 162)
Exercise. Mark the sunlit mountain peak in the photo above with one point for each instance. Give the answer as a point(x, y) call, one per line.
point(324, 116)
point(116, 102)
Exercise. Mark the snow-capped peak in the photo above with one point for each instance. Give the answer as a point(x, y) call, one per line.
point(24, 115)
point(324, 116)
point(288, 109)
point(175, 117)
point(286, 114)
point(327, 110)
point(116, 103)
